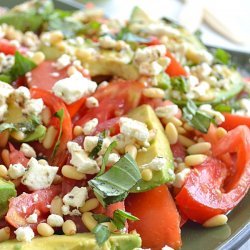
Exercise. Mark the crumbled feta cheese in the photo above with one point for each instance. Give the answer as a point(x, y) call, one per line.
point(21, 94)
point(201, 89)
point(245, 107)
point(160, 29)
point(5, 91)
point(65, 209)
point(107, 42)
point(6, 62)
point(55, 220)
point(24, 234)
point(90, 126)
point(80, 159)
point(113, 158)
point(38, 176)
point(74, 88)
point(181, 177)
point(75, 212)
point(92, 102)
point(207, 108)
point(158, 163)
point(167, 248)
point(27, 150)
point(63, 61)
point(76, 197)
point(134, 129)
point(32, 218)
point(33, 107)
point(16, 171)
point(89, 143)
point(150, 69)
point(167, 111)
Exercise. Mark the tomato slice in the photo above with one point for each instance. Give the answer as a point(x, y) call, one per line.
point(178, 150)
point(17, 156)
point(232, 121)
point(6, 47)
point(114, 100)
point(212, 188)
point(159, 223)
point(26, 204)
point(174, 68)
point(55, 104)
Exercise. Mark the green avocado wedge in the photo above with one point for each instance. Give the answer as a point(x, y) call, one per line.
point(83, 241)
point(7, 190)
point(159, 147)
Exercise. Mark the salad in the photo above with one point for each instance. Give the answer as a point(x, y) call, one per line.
point(114, 134)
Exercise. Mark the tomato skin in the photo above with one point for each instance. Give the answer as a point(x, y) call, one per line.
point(199, 198)
point(174, 68)
point(55, 104)
point(112, 125)
point(6, 47)
point(159, 223)
point(232, 121)
point(178, 150)
point(25, 204)
point(17, 156)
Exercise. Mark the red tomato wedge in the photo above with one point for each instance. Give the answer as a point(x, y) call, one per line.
point(114, 100)
point(159, 223)
point(17, 156)
point(6, 47)
point(212, 188)
point(55, 104)
point(232, 121)
point(174, 68)
point(26, 204)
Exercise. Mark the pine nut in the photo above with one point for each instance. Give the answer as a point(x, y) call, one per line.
point(4, 137)
point(18, 135)
point(50, 137)
point(71, 173)
point(57, 179)
point(132, 150)
point(193, 160)
point(56, 206)
point(43, 162)
point(46, 115)
point(45, 229)
point(177, 122)
point(38, 57)
point(188, 127)
point(77, 131)
point(6, 157)
point(4, 234)
point(181, 130)
point(3, 171)
point(199, 148)
point(147, 174)
point(153, 93)
point(206, 97)
point(89, 205)
point(56, 36)
point(89, 221)
point(185, 141)
point(171, 133)
point(217, 220)
point(69, 227)
point(200, 139)
point(221, 132)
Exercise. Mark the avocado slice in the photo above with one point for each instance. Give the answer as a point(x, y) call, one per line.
point(28, 16)
point(83, 241)
point(236, 87)
point(159, 148)
point(7, 190)
point(139, 16)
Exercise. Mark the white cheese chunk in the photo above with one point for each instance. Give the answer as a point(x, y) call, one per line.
point(80, 159)
point(33, 107)
point(73, 88)
point(90, 126)
point(28, 150)
point(157, 164)
point(32, 218)
point(181, 177)
point(38, 176)
point(92, 102)
point(89, 143)
point(63, 61)
point(55, 220)
point(76, 197)
point(113, 158)
point(24, 234)
point(16, 171)
point(166, 111)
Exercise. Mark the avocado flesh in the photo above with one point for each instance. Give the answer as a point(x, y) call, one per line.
point(7, 190)
point(221, 95)
point(83, 241)
point(159, 147)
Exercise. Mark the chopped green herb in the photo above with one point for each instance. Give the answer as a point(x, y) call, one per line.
point(179, 83)
point(196, 118)
point(128, 36)
point(223, 108)
point(97, 148)
point(91, 28)
point(221, 56)
point(115, 184)
point(101, 233)
point(60, 115)
point(163, 80)
point(100, 218)
point(120, 217)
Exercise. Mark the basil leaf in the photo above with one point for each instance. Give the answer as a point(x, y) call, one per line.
point(115, 184)
point(100, 218)
point(38, 133)
point(106, 157)
point(120, 217)
point(101, 233)
point(91, 28)
point(60, 115)
point(173, 23)
point(21, 67)
point(5, 78)
point(223, 108)
point(221, 56)
point(196, 118)
point(126, 35)
point(179, 83)
point(97, 148)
